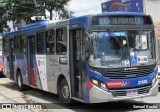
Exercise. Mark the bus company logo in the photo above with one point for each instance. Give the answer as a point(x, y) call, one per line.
point(118, 6)
point(126, 69)
point(41, 63)
point(121, 83)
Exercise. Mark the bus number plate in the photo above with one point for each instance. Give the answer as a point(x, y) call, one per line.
point(131, 93)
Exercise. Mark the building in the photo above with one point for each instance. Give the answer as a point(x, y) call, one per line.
point(153, 9)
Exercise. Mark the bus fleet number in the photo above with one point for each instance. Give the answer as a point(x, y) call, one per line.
point(142, 82)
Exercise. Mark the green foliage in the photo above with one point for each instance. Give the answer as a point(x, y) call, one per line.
point(23, 9)
point(56, 5)
point(3, 22)
point(17, 10)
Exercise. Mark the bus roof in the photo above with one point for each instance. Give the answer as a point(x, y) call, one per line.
point(83, 21)
point(33, 27)
point(29, 28)
point(35, 24)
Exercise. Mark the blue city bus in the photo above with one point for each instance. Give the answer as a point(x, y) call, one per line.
point(91, 59)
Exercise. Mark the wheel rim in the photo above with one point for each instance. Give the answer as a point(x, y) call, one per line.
point(19, 81)
point(65, 91)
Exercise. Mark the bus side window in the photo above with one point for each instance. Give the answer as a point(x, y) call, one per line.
point(50, 46)
point(32, 44)
point(40, 43)
point(23, 43)
point(6, 45)
point(16, 44)
point(61, 41)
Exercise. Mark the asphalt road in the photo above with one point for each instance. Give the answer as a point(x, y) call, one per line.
point(9, 93)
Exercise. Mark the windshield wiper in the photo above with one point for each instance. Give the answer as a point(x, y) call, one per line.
point(114, 36)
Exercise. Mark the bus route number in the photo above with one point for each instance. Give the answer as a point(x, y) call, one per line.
point(141, 82)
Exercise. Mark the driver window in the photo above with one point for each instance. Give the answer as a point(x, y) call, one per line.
point(61, 41)
point(50, 45)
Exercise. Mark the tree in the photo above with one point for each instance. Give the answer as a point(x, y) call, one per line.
point(2, 8)
point(65, 14)
point(17, 10)
point(3, 19)
point(23, 9)
point(55, 5)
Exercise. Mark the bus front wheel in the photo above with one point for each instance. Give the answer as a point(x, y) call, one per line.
point(64, 92)
point(21, 86)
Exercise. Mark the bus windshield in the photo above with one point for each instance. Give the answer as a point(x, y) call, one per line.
point(122, 49)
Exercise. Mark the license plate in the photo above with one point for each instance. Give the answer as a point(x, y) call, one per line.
point(132, 93)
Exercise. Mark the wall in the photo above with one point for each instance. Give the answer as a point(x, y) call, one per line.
point(153, 9)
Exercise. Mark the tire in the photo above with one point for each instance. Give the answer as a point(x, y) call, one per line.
point(64, 93)
point(20, 84)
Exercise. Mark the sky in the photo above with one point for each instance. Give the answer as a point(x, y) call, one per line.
point(84, 7)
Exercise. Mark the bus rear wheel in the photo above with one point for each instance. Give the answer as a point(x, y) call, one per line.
point(21, 86)
point(64, 92)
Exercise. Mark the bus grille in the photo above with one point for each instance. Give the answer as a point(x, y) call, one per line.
point(124, 73)
point(121, 74)
point(118, 93)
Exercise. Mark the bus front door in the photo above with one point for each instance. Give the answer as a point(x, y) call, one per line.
point(77, 65)
point(11, 59)
point(31, 60)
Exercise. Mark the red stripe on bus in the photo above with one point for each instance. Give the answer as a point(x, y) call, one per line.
point(27, 65)
point(90, 85)
point(32, 77)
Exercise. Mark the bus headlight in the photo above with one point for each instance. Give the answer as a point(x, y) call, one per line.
point(157, 76)
point(99, 84)
point(103, 85)
point(154, 80)
point(94, 81)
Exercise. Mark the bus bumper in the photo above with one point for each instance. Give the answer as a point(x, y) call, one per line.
point(97, 95)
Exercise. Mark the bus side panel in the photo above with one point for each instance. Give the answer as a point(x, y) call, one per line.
point(6, 70)
point(41, 72)
point(55, 69)
point(20, 62)
point(52, 73)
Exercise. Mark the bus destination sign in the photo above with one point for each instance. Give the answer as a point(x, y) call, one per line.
point(117, 21)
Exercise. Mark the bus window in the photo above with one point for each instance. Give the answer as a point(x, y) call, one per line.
point(5, 45)
point(32, 44)
point(23, 43)
point(61, 41)
point(16, 44)
point(50, 46)
point(40, 43)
